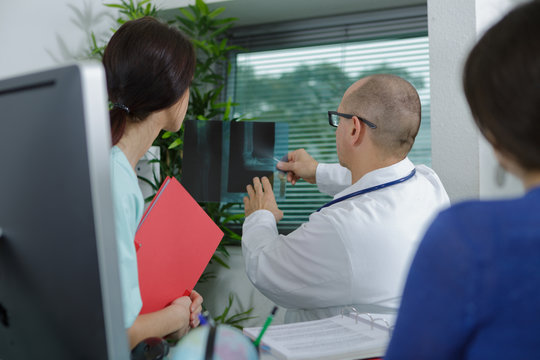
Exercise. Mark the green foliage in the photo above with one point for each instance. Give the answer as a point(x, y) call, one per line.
point(131, 11)
point(209, 38)
point(236, 319)
point(219, 213)
point(208, 35)
point(127, 11)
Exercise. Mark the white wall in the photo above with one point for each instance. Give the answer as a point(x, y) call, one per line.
point(460, 156)
point(493, 179)
point(234, 280)
point(39, 34)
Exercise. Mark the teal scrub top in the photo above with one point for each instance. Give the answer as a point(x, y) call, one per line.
point(128, 205)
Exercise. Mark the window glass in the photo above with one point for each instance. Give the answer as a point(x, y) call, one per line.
point(298, 86)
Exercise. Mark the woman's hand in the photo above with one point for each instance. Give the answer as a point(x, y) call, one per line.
point(181, 307)
point(195, 309)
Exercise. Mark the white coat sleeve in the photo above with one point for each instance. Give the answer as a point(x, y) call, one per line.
point(332, 178)
point(309, 268)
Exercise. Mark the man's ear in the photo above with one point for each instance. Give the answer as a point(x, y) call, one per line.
point(358, 131)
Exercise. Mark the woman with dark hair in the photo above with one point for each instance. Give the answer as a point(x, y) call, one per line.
point(473, 290)
point(149, 67)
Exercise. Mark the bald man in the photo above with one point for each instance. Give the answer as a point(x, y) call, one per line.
point(355, 250)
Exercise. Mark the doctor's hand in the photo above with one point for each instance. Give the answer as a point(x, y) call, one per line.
point(261, 197)
point(300, 165)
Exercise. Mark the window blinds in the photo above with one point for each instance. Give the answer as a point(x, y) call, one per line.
point(296, 72)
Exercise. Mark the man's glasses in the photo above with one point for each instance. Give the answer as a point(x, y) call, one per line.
point(333, 119)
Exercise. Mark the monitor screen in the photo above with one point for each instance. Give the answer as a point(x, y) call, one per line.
point(59, 284)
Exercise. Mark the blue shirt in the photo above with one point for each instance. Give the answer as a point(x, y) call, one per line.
point(128, 205)
point(473, 291)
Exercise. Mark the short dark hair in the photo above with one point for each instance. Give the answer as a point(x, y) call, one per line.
point(393, 104)
point(149, 66)
point(502, 85)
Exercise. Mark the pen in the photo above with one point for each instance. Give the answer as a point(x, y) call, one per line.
point(205, 318)
point(265, 326)
point(285, 158)
point(202, 320)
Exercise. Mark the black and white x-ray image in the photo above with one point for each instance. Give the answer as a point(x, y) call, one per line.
point(222, 158)
point(201, 163)
point(251, 154)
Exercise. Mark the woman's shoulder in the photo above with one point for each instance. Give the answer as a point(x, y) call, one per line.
point(473, 222)
point(492, 209)
point(123, 177)
point(118, 159)
point(121, 170)
point(466, 211)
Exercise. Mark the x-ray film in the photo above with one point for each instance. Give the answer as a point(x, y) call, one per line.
point(222, 158)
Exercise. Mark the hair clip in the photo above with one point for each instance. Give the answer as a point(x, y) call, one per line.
point(121, 106)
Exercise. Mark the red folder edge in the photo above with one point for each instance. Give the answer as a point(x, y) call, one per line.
point(175, 241)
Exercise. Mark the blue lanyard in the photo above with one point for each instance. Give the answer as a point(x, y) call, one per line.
point(365, 191)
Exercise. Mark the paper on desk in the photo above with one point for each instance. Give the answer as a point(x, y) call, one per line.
point(333, 338)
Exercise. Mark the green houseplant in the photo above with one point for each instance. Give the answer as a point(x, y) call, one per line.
point(208, 34)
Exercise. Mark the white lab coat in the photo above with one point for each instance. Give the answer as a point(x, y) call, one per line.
point(354, 253)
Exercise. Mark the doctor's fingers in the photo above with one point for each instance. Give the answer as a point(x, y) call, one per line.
point(258, 187)
point(250, 191)
point(295, 154)
point(247, 205)
point(267, 186)
point(292, 178)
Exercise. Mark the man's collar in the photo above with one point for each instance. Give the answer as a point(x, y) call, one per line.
point(380, 176)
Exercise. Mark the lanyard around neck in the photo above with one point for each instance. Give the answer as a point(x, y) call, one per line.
point(368, 190)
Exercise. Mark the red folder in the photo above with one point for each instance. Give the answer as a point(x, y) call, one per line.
point(175, 241)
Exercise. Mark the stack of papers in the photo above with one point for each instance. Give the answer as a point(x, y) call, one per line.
point(336, 338)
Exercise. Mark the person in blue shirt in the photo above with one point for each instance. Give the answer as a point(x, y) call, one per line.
point(473, 291)
point(149, 68)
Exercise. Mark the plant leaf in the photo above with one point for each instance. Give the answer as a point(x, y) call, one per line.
point(187, 14)
point(216, 12)
point(115, 6)
point(203, 8)
point(220, 261)
point(175, 143)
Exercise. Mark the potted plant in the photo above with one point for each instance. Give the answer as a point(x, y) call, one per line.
point(208, 34)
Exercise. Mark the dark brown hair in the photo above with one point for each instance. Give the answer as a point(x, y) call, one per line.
point(149, 66)
point(502, 85)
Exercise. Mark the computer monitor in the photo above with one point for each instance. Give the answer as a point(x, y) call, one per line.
point(59, 283)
